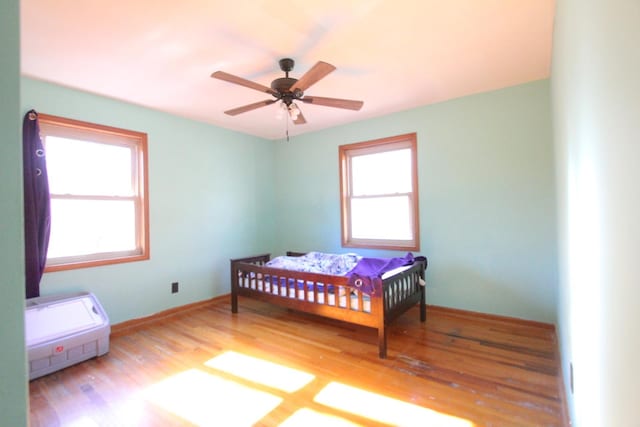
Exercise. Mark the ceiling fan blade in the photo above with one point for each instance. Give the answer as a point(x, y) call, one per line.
point(348, 104)
point(249, 107)
point(300, 120)
point(243, 82)
point(311, 77)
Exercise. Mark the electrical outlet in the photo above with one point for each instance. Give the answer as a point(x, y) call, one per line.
point(174, 288)
point(571, 376)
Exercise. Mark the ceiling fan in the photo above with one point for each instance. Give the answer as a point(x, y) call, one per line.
point(288, 90)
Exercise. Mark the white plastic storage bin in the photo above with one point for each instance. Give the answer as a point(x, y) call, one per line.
point(63, 330)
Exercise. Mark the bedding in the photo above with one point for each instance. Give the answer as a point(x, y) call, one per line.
point(364, 291)
point(362, 272)
point(317, 262)
point(369, 271)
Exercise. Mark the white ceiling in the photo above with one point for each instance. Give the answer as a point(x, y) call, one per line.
point(391, 54)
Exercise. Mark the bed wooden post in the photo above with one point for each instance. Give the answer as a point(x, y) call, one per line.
point(382, 342)
point(423, 291)
point(234, 288)
point(423, 305)
point(378, 306)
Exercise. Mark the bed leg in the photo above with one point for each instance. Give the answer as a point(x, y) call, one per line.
point(234, 288)
point(234, 302)
point(423, 305)
point(382, 342)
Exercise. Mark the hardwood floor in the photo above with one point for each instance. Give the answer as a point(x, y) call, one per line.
point(270, 366)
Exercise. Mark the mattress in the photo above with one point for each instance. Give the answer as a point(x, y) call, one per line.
point(63, 330)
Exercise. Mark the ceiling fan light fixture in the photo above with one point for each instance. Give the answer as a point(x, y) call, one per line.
point(294, 111)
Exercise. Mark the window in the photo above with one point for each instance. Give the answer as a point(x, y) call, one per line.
point(379, 194)
point(98, 185)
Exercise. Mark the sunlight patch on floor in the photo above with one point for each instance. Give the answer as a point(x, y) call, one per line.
point(83, 422)
point(131, 411)
point(207, 400)
point(307, 417)
point(261, 371)
point(384, 409)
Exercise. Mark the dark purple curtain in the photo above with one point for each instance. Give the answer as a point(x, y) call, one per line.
point(37, 209)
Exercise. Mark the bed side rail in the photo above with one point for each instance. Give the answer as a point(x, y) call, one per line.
point(305, 291)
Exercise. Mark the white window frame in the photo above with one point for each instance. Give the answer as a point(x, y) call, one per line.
point(137, 142)
point(346, 153)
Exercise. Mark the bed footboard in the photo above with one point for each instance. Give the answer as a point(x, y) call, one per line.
point(401, 292)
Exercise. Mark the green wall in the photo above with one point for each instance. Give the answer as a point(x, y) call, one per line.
point(487, 201)
point(13, 380)
point(596, 116)
point(209, 201)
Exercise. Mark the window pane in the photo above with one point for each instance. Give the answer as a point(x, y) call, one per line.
point(91, 226)
point(381, 218)
point(88, 168)
point(381, 173)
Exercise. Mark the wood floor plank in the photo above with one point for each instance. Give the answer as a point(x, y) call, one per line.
point(457, 369)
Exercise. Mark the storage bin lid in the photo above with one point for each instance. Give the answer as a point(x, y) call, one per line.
point(55, 319)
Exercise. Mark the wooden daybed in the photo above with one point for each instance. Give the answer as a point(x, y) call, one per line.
point(331, 296)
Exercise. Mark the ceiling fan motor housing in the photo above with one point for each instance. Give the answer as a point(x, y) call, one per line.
point(283, 84)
